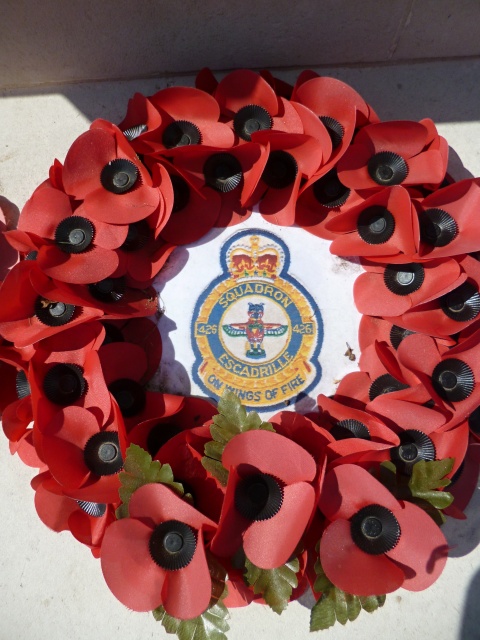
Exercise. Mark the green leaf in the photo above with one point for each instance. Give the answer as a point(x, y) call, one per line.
point(275, 585)
point(138, 469)
point(372, 603)
point(335, 605)
point(429, 476)
point(231, 420)
point(211, 625)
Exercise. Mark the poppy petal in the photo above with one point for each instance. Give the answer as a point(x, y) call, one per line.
point(353, 570)
point(187, 592)
point(422, 547)
point(347, 489)
point(129, 571)
point(270, 543)
point(270, 453)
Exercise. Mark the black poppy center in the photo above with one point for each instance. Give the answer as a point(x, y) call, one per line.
point(258, 497)
point(137, 236)
point(375, 225)
point(130, 396)
point(385, 383)
point(53, 314)
point(375, 529)
point(281, 170)
point(74, 234)
point(94, 509)
point(181, 133)
point(334, 128)
point(398, 334)
point(329, 191)
point(387, 168)
point(159, 435)
point(223, 172)
point(102, 453)
point(462, 304)
point(22, 385)
point(474, 421)
point(119, 176)
point(437, 227)
point(350, 428)
point(64, 384)
point(181, 193)
point(414, 446)
point(404, 279)
point(453, 380)
point(108, 290)
point(172, 545)
point(250, 119)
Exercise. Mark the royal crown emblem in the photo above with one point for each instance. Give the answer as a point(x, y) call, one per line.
point(256, 331)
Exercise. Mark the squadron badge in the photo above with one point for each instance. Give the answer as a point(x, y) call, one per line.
point(256, 331)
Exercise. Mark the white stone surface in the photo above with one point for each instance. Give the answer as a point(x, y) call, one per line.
point(50, 586)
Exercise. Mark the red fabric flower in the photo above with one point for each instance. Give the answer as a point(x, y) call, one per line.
point(321, 200)
point(383, 228)
point(338, 106)
point(86, 521)
point(269, 498)
point(355, 503)
point(248, 103)
point(102, 169)
point(452, 312)
point(188, 117)
point(402, 287)
point(29, 312)
point(233, 173)
point(451, 379)
point(195, 208)
point(392, 153)
point(83, 455)
point(133, 548)
point(447, 221)
point(292, 157)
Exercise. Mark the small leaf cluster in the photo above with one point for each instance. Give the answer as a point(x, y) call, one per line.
point(231, 420)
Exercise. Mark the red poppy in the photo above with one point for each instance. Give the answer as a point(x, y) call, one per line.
point(103, 170)
point(110, 298)
point(248, 104)
point(157, 556)
point(184, 452)
point(269, 499)
point(180, 414)
point(140, 122)
point(353, 431)
point(311, 437)
point(142, 332)
point(322, 199)
point(341, 109)
point(391, 153)
point(66, 371)
point(86, 521)
point(30, 313)
point(233, 173)
point(73, 247)
point(373, 329)
point(400, 287)
point(374, 543)
point(188, 117)
point(383, 228)
point(124, 366)
point(195, 208)
point(83, 455)
point(450, 378)
point(292, 157)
